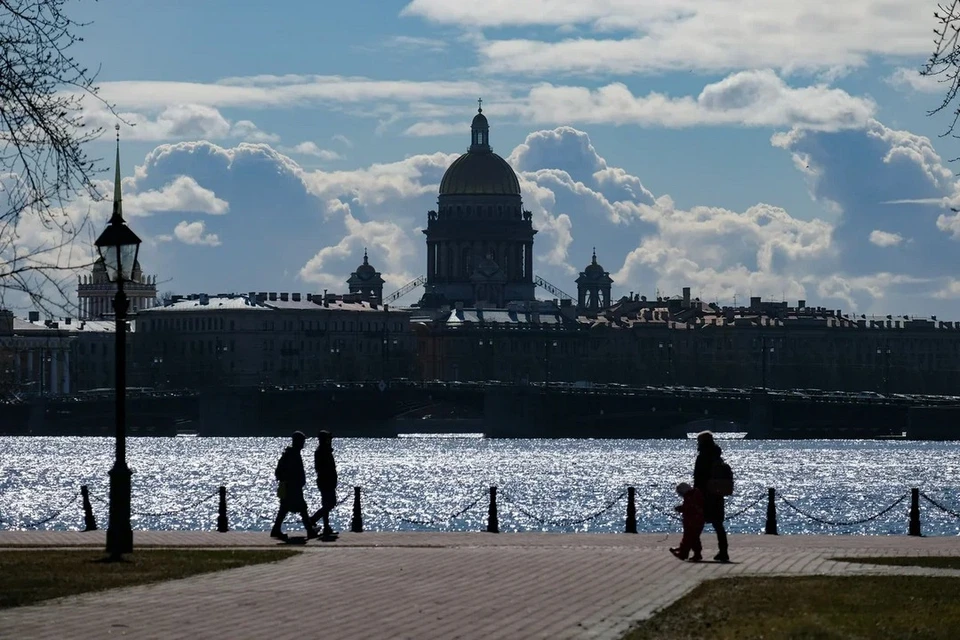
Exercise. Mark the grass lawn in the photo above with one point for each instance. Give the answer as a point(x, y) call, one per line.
point(820, 607)
point(29, 576)
point(935, 562)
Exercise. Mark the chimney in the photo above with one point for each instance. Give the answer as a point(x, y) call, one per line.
point(386, 307)
point(801, 304)
point(309, 297)
point(754, 302)
point(252, 296)
point(326, 302)
point(631, 297)
point(686, 297)
point(204, 299)
point(296, 297)
point(284, 297)
point(34, 316)
point(67, 320)
point(262, 296)
point(273, 296)
point(459, 306)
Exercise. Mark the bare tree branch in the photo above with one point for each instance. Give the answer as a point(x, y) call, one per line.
point(43, 164)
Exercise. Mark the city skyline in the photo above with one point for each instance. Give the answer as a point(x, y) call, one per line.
point(801, 172)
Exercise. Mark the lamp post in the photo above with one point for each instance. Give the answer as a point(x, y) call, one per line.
point(118, 246)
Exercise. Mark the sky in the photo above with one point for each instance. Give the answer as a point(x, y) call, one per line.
point(739, 147)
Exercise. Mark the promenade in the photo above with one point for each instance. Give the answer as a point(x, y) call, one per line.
point(431, 585)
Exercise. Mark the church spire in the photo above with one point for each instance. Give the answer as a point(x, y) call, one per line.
point(117, 200)
point(480, 131)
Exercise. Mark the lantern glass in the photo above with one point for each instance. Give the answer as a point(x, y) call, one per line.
point(118, 246)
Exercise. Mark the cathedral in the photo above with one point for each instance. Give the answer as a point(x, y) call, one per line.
point(480, 238)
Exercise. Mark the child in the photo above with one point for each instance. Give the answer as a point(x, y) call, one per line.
point(693, 520)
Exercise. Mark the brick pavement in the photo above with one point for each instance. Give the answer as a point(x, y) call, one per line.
point(432, 585)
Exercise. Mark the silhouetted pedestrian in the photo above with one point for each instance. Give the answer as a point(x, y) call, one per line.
point(693, 520)
point(704, 470)
point(326, 468)
point(290, 474)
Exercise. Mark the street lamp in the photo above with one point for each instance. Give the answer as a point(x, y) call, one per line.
point(118, 247)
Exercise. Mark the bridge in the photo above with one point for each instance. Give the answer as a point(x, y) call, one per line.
point(388, 408)
point(600, 411)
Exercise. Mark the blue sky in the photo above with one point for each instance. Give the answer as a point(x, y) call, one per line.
point(739, 147)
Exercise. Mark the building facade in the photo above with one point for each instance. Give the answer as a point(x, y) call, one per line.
point(202, 341)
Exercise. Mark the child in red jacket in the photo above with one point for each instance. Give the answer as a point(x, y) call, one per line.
point(693, 520)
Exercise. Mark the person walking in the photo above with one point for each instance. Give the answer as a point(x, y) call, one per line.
point(292, 479)
point(692, 510)
point(326, 468)
point(709, 456)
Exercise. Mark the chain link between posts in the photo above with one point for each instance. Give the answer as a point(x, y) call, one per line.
point(423, 523)
point(842, 523)
point(564, 523)
point(34, 525)
point(747, 508)
point(939, 506)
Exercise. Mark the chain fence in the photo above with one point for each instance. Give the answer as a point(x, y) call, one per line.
point(842, 523)
point(56, 514)
point(505, 498)
point(563, 523)
point(435, 522)
point(939, 506)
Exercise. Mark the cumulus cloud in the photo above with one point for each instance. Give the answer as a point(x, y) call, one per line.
point(181, 194)
point(289, 226)
point(885, 239)
point(910, 79)
point(311, 149)
point(748, 98)
point(672, 35)
point(195, 233)
point(177, 122)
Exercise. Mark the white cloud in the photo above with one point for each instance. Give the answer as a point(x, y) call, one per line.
point(910, 79)
point(749, 98)
point(422, 45)
point(284, 91)
point(177, 122)
point(676, 35)
point(436, 128)
point(342, 139)
point(311, 149)
point(195, 233)
point(249, 132)
point(182, 194)
point(386, 240)
point(885, 239)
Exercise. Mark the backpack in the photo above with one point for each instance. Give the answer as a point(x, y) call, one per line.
point(721, 479)
point(281, 472)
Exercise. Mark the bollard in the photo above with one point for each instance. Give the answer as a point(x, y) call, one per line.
point(631, 511)
point(915, 512)
point(89, 522)
point(222, 514)
point(356, 525)
point(493, 524)
point(771, 528)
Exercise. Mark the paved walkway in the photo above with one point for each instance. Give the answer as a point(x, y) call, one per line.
point(431, 585)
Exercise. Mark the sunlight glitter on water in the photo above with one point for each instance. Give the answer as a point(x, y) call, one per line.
point(544, 485)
